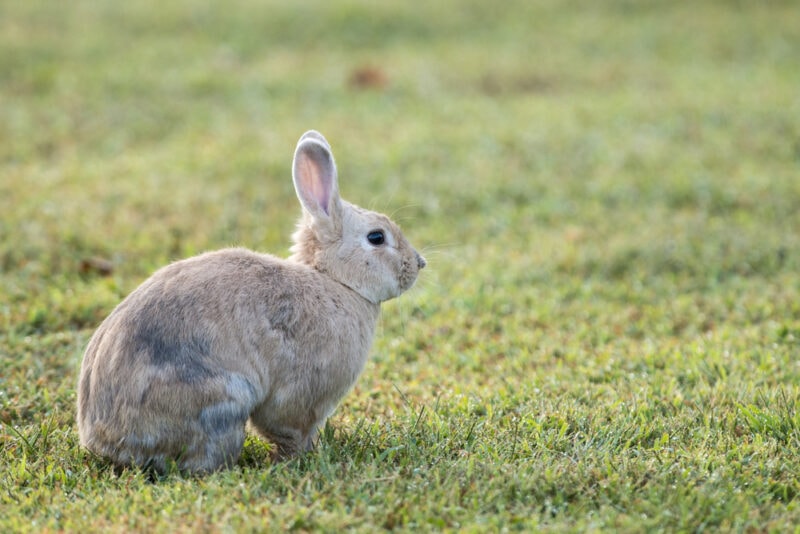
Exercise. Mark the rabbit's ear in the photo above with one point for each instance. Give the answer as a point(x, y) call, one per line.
point(314, 174)
point(313, 134)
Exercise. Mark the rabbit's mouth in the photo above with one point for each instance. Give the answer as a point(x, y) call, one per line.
point(409, 271)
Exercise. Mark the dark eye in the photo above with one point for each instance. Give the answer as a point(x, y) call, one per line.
point(376, 237)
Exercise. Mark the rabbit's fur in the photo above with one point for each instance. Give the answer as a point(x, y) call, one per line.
point(209, 343)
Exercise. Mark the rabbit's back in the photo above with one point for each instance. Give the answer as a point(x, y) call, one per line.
point(178, 367)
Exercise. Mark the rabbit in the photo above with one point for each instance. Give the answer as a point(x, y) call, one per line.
point(174, 374)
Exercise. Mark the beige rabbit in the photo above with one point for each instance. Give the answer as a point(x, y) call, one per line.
point(210, 342)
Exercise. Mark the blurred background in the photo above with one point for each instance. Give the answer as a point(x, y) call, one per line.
point(607, 194)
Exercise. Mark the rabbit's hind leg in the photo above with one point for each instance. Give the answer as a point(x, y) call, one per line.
point(219, 450)
point(223, 428)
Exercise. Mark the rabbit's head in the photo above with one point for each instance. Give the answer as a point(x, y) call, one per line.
point(361, 249)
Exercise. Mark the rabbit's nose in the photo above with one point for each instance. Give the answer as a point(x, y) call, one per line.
point(421, 263)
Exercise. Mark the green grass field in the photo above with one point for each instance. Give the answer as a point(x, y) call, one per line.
point(607, 336)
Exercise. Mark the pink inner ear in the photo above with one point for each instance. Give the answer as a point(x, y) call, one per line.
point(315, 183)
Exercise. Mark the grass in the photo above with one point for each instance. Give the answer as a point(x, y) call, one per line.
point(608, 333)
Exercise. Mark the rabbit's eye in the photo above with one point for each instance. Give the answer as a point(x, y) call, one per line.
point(376, 237)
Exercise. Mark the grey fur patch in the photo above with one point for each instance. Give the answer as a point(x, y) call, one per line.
point(241, 390)
point(218, 418)
point(166, 328)
point(188, 357)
